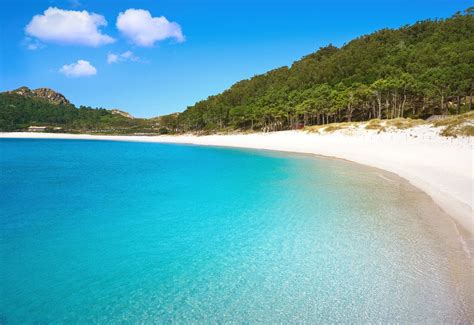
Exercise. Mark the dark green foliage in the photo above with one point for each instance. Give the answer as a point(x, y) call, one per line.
point(415, 71)
point(168, 123)
point(19, 112)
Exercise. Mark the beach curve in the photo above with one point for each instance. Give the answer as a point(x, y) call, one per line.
point(441, 167)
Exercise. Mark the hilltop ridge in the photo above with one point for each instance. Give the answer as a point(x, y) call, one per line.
point(48, 94)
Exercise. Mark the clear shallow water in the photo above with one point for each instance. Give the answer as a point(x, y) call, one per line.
point(96, 231)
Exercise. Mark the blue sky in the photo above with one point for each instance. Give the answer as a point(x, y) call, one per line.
point(201, 49)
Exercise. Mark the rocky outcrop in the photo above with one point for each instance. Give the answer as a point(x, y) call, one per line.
point(44, 93)
point(51, 95)
point(122, 113)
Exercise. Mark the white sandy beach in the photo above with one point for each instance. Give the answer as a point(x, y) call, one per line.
point(442, 167)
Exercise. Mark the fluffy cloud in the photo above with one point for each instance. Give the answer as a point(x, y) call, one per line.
point(69, 27)
point(81, 68)
point(144, 30)
point(125, 56)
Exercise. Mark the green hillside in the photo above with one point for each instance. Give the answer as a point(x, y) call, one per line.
point(414, 71)
point(19, 109)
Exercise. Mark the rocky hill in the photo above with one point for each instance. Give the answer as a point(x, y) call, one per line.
point(49, 110)
point(121, 113)
point(44, 93)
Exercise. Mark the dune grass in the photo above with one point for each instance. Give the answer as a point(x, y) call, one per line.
point(338, 126)
point(403, 123)
point(329, 128)
point(375, 124)
point(314, 128)
point(457, 125)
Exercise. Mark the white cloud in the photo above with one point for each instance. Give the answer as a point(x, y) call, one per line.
point(32, 44)
point(69, 27)
point(112, 58)
point(81, 68)
point(75, 3)
point(32, 47)
point(125, 56)
point(144, 30)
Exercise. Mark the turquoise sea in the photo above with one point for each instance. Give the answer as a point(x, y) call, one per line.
point(108, 232)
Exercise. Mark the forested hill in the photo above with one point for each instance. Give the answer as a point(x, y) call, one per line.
point(414, 71)
point(23, 107)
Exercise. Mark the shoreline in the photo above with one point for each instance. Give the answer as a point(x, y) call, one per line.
point(441, 167)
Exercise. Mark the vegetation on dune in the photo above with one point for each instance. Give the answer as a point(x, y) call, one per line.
point(329, 128)
point(403, 123)
point(452, 126)
point(415, 71)
point(459, 125)
point(374, 124)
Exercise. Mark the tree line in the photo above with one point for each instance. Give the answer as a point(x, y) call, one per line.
point(415, 71)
